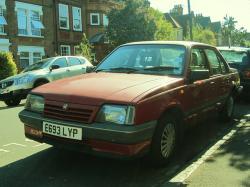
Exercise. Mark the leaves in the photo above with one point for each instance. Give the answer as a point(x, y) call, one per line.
point(7, 65)
point(137, 21)
point(231, 35)
point(85, 48)
point(203, 35)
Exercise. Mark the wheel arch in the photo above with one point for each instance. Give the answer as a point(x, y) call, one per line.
point(175, 110)
point(42, 79)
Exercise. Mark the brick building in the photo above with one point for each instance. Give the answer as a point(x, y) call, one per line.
point(36, 29)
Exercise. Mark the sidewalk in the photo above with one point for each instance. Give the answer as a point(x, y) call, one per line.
point(228, 166)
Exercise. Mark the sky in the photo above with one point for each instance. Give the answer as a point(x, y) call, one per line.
point(216, 9)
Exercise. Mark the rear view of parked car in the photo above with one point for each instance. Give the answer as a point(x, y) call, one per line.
point(239, 58)
point(15, 88)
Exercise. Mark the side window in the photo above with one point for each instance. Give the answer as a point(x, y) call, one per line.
point(83, 61)
point(74, 61)
point(214, 61)
point(61, 62)
point(198, 60)
point(223, 66)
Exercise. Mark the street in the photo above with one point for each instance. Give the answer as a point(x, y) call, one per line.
point(27, 163)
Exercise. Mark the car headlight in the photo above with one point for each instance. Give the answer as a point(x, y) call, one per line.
point(23, 80)
point(116, 114)
point(35, 103)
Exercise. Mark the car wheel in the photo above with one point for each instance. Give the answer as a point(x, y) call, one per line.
point(228, 109)
point(165, 140)
point(12, 102)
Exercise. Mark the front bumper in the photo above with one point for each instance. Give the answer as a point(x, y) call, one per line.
point(101, 139)
point(22, 93)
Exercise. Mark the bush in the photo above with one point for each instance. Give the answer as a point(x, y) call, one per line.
point(7, 65)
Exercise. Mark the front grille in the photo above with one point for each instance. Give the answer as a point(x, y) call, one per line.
point(74, 112)
point(4, 85)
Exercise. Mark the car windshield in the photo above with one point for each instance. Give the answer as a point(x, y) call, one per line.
point(148, 59)
point(235, 56)
point(38, 65)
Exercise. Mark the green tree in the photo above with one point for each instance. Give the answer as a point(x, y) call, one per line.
point(85, 48)
point(239, 37)
point(227, 29)
point(137, 21)
point(7, 65)
point(203, 35)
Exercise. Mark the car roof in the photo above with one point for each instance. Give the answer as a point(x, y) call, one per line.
point(68, 56)
point(184, 43)
point(227, 48)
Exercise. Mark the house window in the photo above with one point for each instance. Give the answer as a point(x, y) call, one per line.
point(63, 16)
point(37, 57)
point(36, 24)
point(30, 55)
point(77, 50)
point(77, 19)
point(105, 20)
point(65, 50)
point(28, 58)
point(24, 59)
point(95, 19)
point(2, 20)
point(29, 19)
point(4, 45)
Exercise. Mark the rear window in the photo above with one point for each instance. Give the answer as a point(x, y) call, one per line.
point(236, 56)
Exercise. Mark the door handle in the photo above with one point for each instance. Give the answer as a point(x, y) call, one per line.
point(212, 82)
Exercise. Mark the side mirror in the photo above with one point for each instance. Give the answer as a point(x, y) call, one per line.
point(90, 69)
point(196, 75)
point(54, 67)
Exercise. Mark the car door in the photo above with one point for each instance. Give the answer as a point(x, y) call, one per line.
point(76, 67)
point(62, 71)
point(220, 78)
point(199, 92)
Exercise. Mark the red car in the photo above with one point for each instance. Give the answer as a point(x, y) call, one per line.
point(138, 101)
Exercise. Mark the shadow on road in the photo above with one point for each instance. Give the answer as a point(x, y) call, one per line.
point(7, 107)
point(53, 167)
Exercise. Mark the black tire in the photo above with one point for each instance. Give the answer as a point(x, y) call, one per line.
point(165, 140)
point(12, 102)
point(227, 111)
point(40, 83)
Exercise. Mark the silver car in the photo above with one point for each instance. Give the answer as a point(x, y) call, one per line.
point(15, 88)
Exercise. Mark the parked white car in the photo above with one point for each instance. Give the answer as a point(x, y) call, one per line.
point(15, 88)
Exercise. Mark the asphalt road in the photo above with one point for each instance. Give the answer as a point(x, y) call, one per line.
point(28, 163)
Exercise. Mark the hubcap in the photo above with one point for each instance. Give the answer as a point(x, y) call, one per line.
point(230, 105)
point(167, 140)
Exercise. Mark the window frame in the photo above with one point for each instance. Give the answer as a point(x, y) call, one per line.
point(60, 58)
point(74, 19)
point(24, 58)
point(220, 60)
point(66, 46)
point(28, 8)
point(105, 17)
point(72, 65)
point(59, 15)
point(2, 13)
point(31, 50)
point(98, 19)
point(76, 47)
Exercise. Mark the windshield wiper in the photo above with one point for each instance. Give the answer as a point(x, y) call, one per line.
point(161, 68)
point(126, 69)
